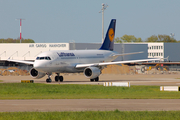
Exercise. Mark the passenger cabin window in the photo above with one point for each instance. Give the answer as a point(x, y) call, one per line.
point(43, 58)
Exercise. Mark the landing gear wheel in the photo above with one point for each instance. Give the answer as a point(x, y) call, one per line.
point(61, 78)
point(56, 78)
point(97, 79)
point(48, 80)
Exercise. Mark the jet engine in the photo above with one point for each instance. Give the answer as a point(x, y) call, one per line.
point(35, 74)
point(92, 72)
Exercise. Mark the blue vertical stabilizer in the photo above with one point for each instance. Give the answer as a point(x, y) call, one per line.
point(108, 43)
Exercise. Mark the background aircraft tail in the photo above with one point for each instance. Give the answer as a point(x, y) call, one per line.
point(108, 43)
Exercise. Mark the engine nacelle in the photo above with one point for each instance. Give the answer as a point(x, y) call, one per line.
point(92, 72)
point(35, 74)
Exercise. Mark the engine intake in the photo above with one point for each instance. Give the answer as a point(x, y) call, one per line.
point(35, 74)
point(92, 72)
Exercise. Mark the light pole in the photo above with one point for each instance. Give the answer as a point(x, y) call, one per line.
point(104, 6)
point(20, 27)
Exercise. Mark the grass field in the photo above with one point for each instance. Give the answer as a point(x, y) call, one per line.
point(92, 115)
point(46, 91)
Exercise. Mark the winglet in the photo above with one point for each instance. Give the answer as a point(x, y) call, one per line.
point(108, 43)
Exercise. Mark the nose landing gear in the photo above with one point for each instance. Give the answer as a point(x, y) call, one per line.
point(48, 80)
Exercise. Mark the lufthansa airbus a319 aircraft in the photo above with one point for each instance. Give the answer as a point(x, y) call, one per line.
point(90, 62)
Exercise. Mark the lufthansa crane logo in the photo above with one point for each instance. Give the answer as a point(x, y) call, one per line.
point(111, 34)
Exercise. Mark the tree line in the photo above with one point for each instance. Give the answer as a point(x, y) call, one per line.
point(153, 38)
point(10, 40)
point(124, 38)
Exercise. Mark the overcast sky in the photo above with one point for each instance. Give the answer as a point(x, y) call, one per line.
point(57, 21)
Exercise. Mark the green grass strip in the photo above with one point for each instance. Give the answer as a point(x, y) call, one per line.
point(56, 91)
point(92, 115)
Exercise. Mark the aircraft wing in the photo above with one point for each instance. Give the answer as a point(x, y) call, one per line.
point(21, 61)
point(128, 53)
point(112, 63)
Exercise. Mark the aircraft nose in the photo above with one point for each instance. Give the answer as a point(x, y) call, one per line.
point(38, 65)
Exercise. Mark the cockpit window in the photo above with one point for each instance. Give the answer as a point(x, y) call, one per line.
point(37, 58)
point(43, 58)
point(46, 58)
point(49, 58)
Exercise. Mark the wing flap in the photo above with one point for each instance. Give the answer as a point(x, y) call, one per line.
point(112, 63)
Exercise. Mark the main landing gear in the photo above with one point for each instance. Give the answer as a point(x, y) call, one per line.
point(58, 78)
point(95, 79)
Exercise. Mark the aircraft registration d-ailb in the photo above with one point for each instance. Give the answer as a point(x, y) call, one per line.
point(90, 62)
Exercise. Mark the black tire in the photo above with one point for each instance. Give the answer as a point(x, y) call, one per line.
point(61, 78)
point(92, 80)
point(48, 80)
point(97, 79)
point(56, 78)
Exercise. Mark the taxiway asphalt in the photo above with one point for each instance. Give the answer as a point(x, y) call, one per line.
point(154, 79)
point(95, 104)
point(89, 105)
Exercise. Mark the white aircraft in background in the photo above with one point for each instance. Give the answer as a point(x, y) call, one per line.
point(91, 62)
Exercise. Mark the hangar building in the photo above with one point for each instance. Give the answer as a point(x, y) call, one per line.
point(28, 51)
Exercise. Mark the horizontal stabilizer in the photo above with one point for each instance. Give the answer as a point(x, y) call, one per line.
point(127, 54)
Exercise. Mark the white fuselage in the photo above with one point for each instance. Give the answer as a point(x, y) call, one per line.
point(64, 61)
